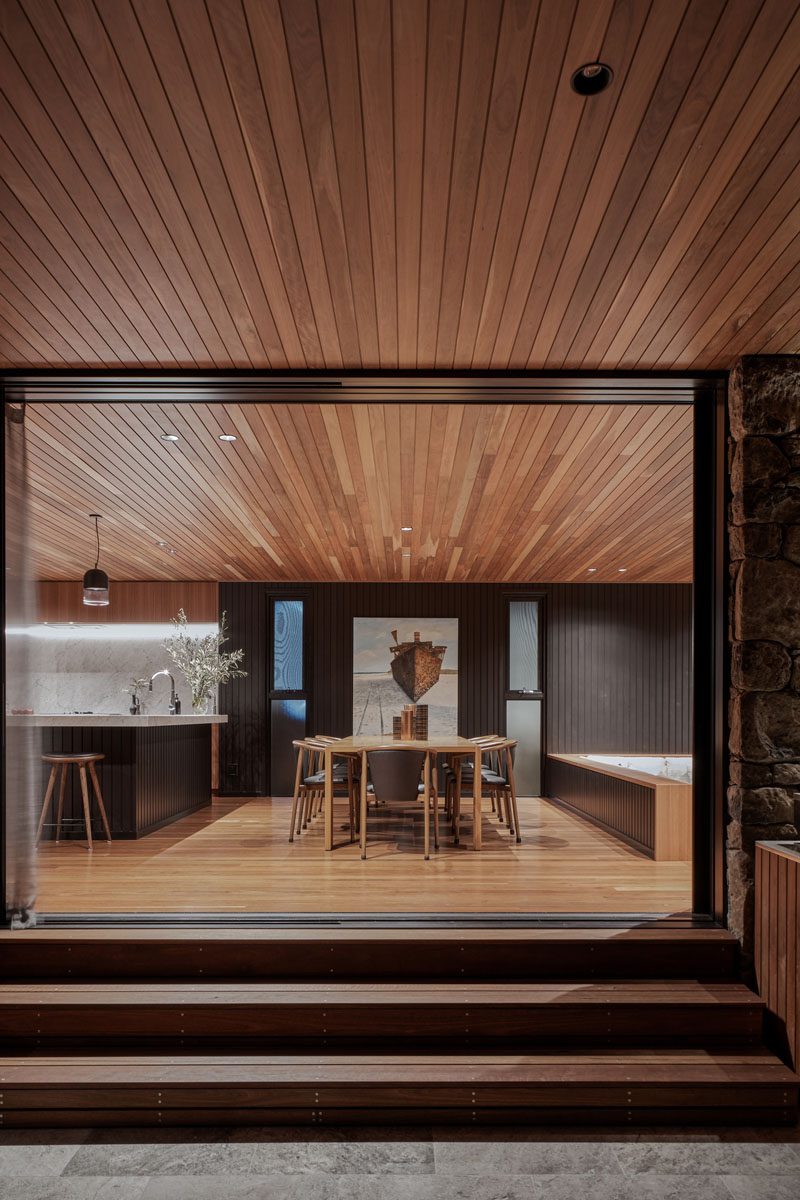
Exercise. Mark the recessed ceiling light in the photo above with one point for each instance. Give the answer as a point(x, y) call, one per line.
point(406, 554)
point(170, 437)
point(622, 570)
point(227, 437)
point(591, 570)
point(591, 78)
point(406, 528)
point(160, 543)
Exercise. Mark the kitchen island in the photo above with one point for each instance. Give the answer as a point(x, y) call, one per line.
point(157, 767)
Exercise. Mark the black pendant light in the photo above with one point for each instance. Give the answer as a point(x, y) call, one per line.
point(95, 581)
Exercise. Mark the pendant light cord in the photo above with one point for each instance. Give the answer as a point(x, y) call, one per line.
point(97, 534)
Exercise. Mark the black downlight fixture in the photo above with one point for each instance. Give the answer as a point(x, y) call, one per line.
point(95, 581)
point(591, 78)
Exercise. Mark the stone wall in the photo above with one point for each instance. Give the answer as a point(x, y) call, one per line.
point(764, 533)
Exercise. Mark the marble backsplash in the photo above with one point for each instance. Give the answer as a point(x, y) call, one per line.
point(90, 671)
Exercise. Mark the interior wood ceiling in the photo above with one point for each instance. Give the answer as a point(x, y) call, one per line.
point(361, 183)
point(522, 493)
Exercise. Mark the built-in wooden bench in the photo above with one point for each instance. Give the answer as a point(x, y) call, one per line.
point(648, 812)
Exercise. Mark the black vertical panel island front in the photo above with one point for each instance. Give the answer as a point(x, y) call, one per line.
point(156, 769)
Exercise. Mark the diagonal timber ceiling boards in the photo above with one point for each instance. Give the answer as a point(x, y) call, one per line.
point(492, 492)
point(338, 184)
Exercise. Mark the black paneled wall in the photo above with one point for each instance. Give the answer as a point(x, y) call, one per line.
point(619, 663)
point(243, 740)
point(617, 673)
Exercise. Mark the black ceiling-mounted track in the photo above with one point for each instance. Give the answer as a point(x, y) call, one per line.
point(400, 387)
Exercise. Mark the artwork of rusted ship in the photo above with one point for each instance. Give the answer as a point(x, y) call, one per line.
point(416, 665)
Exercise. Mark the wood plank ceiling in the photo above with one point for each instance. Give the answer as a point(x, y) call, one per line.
point(522, 493)
point(409, 184)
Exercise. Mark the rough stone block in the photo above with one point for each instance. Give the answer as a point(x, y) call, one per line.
point(750, 775)
point(791, 543)
point(767, 601)
point(760, 666)
point(744, 837)
point(763, 807)
point(787, 774)
point(764, 504)
point(790, 447)
point(755, 541)
point(765, 726)
point(758, 462)
point(764, 396)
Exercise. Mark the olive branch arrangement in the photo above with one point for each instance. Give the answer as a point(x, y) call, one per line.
point(201, 659)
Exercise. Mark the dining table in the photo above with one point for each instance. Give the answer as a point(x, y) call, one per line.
point(443, 743)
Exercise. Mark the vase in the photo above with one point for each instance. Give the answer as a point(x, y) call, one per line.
point(200, 704)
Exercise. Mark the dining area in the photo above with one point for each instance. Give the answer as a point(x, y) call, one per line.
point(433, 778)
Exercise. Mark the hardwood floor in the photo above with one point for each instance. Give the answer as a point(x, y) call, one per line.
point(235, 857)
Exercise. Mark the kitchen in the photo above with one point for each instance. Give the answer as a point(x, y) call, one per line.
point(158, 756)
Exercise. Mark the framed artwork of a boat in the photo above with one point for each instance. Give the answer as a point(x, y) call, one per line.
point(402, 660)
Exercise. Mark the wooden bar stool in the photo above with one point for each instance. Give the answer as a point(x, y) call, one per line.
point(63, 762)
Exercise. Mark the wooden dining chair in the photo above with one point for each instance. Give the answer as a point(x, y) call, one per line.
point(467, 767)
point(501, 784)
point(309, 785)
point(395, 776)
point(497, 780)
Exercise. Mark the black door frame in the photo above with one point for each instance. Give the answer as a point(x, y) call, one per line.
point(705, 391)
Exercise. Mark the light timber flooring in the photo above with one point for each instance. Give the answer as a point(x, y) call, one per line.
point(234, 856)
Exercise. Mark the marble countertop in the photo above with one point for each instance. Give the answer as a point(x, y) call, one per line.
point(113, 720)
point(790, 847)
point(626, 773)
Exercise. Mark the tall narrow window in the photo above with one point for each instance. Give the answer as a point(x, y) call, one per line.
point(523, 645)
point(287, 643)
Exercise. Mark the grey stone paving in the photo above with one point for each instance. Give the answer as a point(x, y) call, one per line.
point(400, 1164)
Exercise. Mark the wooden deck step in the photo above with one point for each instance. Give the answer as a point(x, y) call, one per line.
point(619, 1011)
point(647, 1085)
point(650, 952)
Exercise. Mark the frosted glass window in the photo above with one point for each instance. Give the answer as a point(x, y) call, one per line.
point(287, 643)
point(523, 645)
point(524, 725)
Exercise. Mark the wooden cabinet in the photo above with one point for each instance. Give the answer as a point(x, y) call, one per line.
point(132, 602)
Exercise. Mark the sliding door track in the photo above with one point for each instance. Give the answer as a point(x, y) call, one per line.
point(376, 921)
